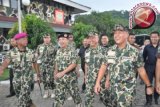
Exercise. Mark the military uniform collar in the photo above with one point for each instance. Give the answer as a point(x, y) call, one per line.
point(126, 47)
point(65, 49)
point(95, 48)
point(26, 50)
point(47, 44)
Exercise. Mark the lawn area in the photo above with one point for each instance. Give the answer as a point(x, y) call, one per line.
point(5, 75)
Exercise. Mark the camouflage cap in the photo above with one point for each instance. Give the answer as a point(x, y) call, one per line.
point(63, 36)
point(119, 27)
point(92, 34)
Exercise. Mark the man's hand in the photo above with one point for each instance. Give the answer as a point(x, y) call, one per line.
point(107, 84)
point(59, 75)
point(149, 90)
point(97, 88)
point(1, 70)
point(158, 88)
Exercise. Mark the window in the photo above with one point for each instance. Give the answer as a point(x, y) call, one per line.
point(6, 3)
point(0, 2)
point(14, 4)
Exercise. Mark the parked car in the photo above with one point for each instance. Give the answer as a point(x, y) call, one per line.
point(141, 38)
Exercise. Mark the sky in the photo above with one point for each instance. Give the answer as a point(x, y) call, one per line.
point(107, 5)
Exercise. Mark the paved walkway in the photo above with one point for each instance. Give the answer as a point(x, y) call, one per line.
point(40, 102)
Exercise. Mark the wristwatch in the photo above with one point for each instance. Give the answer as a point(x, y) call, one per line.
point(149, 86)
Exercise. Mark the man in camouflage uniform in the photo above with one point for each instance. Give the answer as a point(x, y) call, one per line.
point(132, 40)
point(121, 61)
point(46, 55)
point(71, 43)
point(93, 60)
point(22, 60)
point(65, 75)
point(158, 71)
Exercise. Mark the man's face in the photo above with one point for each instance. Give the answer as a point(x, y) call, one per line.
point(63, 42)
point(93, 41)
point(13, 42)
point(104, 40)
point(85, 42)
point(22, 42)
point(146, 42)
point(120, 37)
point(131, 39)
point(70, 37)
point(154, 38)
point(47, 39)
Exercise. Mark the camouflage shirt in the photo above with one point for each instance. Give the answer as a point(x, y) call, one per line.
point(121, 66)
point(72, 45)
point(66, 57)
point(21, 61)
point(46, 53)
point(93, 59)
point(104, 50)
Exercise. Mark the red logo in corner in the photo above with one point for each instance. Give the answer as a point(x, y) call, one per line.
point(142, 16)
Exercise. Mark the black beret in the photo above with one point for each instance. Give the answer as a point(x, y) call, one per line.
point(63, 36)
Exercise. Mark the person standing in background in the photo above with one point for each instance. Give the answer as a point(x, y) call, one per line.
point(82, 56)
point(149, 56)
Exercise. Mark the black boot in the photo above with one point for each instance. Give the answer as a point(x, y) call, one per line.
point(156, 97)
point(10, 95)
point(156, 101)
point(148, 100)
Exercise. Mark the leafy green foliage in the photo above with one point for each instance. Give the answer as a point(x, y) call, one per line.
point(35, 28)
point(80, 31)
point(105, 21)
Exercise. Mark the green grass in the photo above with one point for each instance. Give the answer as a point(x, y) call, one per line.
point(5, 75)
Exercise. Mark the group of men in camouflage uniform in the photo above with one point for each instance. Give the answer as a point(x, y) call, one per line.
point(109, 71)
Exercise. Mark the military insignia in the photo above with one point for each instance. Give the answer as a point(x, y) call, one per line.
point(111, 61)
point(41, 49)
point(87, 56)
point(125, 58)
point(111, 53)
point(65, 35)
point(39, 61)
point(29, 56)
point(15, 56)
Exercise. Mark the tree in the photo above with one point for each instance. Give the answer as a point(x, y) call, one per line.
point(35, 28)
point(81, 31)
point(105, 21)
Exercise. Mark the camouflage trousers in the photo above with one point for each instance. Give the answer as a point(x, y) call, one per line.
point(22, 87)
point(47, 77)
point(89, 93)
point(66, 84)
point(118, 97)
